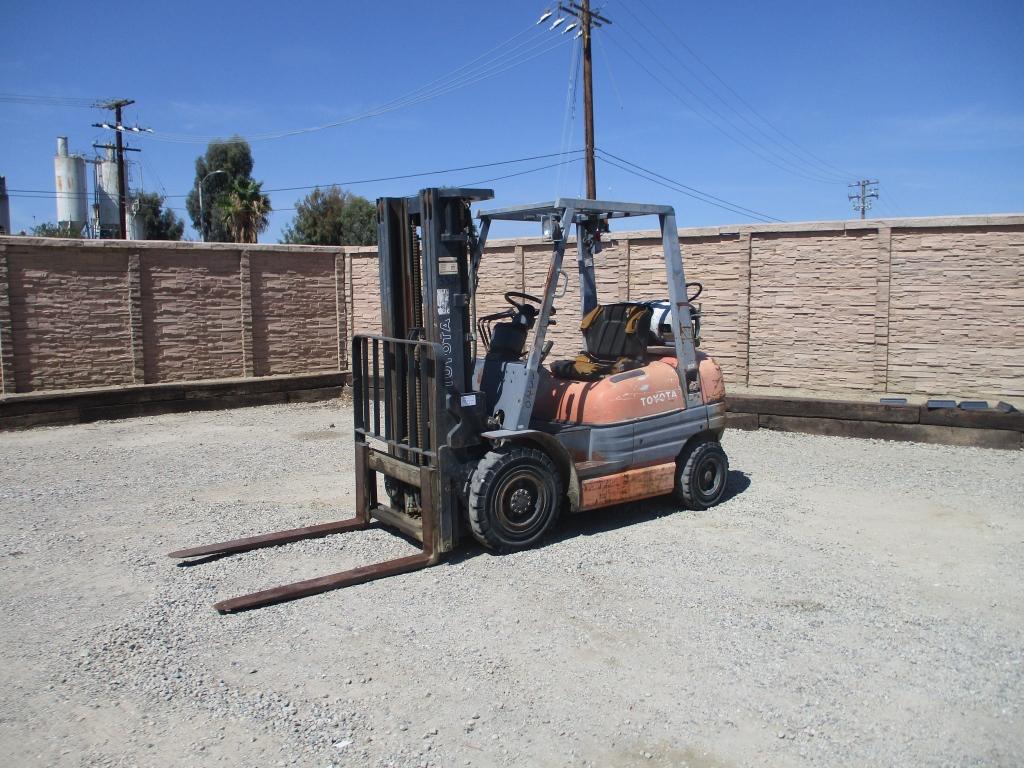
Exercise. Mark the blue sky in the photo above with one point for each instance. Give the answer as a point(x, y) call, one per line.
point(927, 97)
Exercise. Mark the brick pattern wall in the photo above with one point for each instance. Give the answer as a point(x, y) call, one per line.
point(720, 265)
point(294, 309)
point(909, 306)
point(192, 316)
point(67, 309)
point(812, 310)
point(956, 319)
point(364, 294)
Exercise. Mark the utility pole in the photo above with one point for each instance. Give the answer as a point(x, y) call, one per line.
point(867, 191)
point(587, 20)
point(122, 206)
point(118, 127)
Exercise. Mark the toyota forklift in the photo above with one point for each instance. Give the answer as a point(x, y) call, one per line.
point(462, 429)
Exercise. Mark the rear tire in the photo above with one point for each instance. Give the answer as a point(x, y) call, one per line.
point(515, 497)
point(701, 481)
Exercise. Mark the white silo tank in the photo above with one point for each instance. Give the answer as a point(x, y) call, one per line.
point(105, 188)
point(72, 195)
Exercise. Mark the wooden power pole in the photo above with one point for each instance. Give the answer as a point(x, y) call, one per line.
point(587, 20)
point(122, 191)
point(867, 190)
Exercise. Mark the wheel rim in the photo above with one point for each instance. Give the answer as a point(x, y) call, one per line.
point(521, 502)
point(710, 478)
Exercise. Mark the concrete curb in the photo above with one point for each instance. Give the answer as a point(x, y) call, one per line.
point(82, 406)
point(847, 418)
point(839, 418)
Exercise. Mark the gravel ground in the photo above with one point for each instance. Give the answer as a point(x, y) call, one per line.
point(853, 602)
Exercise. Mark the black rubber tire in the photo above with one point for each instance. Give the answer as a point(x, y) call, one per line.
point(703, 473)
point(505, 480)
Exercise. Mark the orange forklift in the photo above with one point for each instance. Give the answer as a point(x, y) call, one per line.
point(468, 430)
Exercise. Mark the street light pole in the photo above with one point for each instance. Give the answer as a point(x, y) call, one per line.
point(202, 218)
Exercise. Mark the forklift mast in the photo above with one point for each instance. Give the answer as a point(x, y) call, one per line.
point(416, 413)
point(424, 247)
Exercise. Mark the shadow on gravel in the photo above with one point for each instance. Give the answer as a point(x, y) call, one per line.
point(570, 526)
point(610, 518)
point(622, 515)
point(200, 560)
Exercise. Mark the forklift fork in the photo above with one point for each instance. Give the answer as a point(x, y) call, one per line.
point(386, 374)
point(351, 577)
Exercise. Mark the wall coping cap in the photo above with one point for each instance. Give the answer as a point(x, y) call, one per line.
point(839, 225)
point(169, 245)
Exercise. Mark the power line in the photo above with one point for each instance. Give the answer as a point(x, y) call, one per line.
point(676, 189)
point(569, 115)
point(684, 189)
point(816, 163)
point(47, 194)
point(611, 75)
point(785, 165)
point(504, 61)
point(53, 101)
point(421, 173)
point(461, 184)
point(522, 173)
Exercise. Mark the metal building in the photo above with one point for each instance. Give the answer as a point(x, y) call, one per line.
point(5, 208)
point(72, 194)
point(105, 187)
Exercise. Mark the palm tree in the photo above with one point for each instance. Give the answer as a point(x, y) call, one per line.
point(246, 210)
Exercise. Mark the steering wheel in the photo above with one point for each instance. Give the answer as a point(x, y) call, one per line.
point(521, 306)
point(700, 290)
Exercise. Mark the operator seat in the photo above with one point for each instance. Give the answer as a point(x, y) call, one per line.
point(616, 337)
point(508, 340)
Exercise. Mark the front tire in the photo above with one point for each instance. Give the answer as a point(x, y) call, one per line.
point(703, 474)
point(515, 497)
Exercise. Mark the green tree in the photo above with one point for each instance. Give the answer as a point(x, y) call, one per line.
point(332, 217)
point(234, 159)
point(49, 229)
point(245, 211)
point(158, 223)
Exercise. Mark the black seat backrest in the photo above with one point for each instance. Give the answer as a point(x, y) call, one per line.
point(614, 331)
point(507, 341)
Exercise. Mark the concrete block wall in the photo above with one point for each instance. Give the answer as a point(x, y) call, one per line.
point(294, 310)
point(909, 306)
point(956, 319)
point(77, 314)
point(191, 315)
point(812, 309)
point(68, 321)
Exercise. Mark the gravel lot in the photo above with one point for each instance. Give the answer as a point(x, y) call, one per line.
point(852, 603)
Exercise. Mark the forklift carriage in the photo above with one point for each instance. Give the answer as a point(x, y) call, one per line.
point(496, 445)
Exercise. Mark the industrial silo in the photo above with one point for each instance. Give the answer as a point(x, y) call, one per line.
point(72, 195)
point(5, 208)
point(105, 188)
